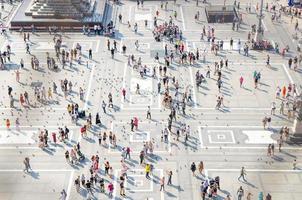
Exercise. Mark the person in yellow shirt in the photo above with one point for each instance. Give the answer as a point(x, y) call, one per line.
point(49, 93)
point(147, 170)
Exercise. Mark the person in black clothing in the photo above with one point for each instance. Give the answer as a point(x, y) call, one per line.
point(88, 186)
point(193, 168)
point(102, 185)
point(10, 89)
point(97, 119)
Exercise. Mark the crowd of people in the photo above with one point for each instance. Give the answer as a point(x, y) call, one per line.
point(175, 97)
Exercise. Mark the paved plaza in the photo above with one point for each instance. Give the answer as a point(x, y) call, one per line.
point(159, 112)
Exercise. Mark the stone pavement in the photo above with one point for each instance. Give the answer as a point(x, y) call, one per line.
point(225, 139)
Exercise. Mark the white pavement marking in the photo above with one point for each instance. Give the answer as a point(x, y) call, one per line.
point(129, 15)
point(17, 137)
point(248, 147)
point(141, 100)
point(288, 75)
point(235, 108)
point(168, 147)
point(89, 87)
point(194, 89)
point(46, 45)
point(182, 18)
point(124, 85)
point(264, 26)
point(97, 46)
point(69, 185)
point(256, 170)
point(43, 108)
point(20, 147)
point(230, 132)
point(223, 146)
point(138, 183)
point(37, 170)
point(200, 137)
point(143, 17)
point(259, 137)
point(140, 136)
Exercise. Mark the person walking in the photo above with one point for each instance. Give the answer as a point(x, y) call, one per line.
point(241, 81)
point(249, 196)
point(193, 168)
point(149, 113)
point(147, 170)
point(110, 190)
point(17, 124)
point(90, 53)
point(63, 195)
point(295, 164)
point(242, 174)
point(7, 123)
point(240, 193)
point(26, 165)
point(201, 167)
point(18, 76)
point(124, 93)
point(77, 184)
point(122, 187)
point(169, 178)
point(260, 196)
point(104, 106)
point(162, 184)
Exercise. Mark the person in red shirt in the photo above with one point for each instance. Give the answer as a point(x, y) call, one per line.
point(124, 93)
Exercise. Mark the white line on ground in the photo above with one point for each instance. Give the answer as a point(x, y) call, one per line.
point(69, 185)
point(240, 126)
point(256, 170)
point(38, 170)
point(288, 75)
point(129, 15)
point(247, 147)
point(49, 127)
point(42, 108)
point(264, 26)
point(182, 18)
point(89, 87)
point(194, 90)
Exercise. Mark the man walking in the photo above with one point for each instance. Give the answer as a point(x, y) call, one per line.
point(149, 113)
point(27, 165)
point(169, 178)
point(104, 106)
point(90, 53)
point(242, 174)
